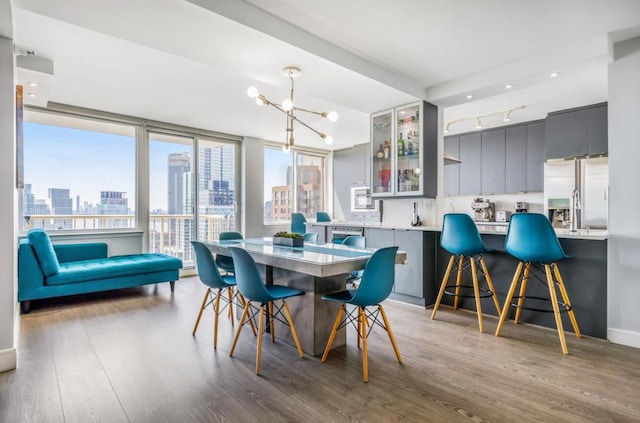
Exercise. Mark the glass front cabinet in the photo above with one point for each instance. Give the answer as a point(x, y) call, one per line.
point(404, 151)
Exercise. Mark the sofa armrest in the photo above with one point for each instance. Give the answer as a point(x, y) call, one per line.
point(78, 252)
point(29, 273)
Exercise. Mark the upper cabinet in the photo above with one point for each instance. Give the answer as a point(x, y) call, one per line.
point(404, 151)
point(577, 132)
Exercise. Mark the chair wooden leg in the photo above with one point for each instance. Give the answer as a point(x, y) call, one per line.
point(443, 286)
point(230, 292)
point(458, 281)
point(556, 308)
point(359, 330)
point(244, 305)
point(523, 290)
point(259, 346)
point(204, 302)
point(391, 337)
point(272, 327)
point(365, 358)
point(245, 314)
point(565, 297)
point(490, 284)
point(476, 291)
point(216, 309)
point(293, 328)
point(336, 324)
point(507, 301)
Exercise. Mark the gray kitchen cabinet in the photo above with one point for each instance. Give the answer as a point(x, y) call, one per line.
point(321, 230)
point(471, 166)
point(516, 159)
point(409, 278)
point(493, 161)
point(349, 169)
point(597, 128)
point(535, 156)
point(567, 134)
point(451, 173)
point(379, 237)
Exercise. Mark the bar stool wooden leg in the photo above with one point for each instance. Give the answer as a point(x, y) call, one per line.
point(565, 297)
point(391, 337)
point(556, 309)
point(507, 301)
point(259, 346)
point(490, 284)
point(443, 286)
point(458, 280)
point(523, 290)
point(216, 309)
point(245, 314)
point(204, 303)
point(272, 327)
point(230, 293)
point(359, 329)
point(336, 325)
point(365, 359)
point(476, 291)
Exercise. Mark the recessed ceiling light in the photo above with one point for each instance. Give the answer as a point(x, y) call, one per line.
point(554, 74)
point(469, 97)
point(402, 112)
point(33, 84)
point(508, 86)
point(32, 95)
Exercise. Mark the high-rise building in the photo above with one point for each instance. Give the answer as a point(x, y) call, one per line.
point(61, 204)
point(308, 190)
point(179, 164)
point(114, 203)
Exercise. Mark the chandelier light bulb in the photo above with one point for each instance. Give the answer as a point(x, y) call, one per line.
point(259, 101)
point(287, 104)
point(332, 116)
point(253, 92)
point(286, 149)
point(328, 140)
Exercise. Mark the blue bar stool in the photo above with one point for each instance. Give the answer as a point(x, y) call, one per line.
point(254, 290)
point(298, 223)
point(461, 238)
point(323, 217)
point(532, 240)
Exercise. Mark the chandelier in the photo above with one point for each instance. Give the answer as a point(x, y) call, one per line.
point(288, 108)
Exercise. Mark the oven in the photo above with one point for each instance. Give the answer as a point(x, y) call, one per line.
point(339, 233)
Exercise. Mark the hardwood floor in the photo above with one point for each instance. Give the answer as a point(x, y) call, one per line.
point(129, 356)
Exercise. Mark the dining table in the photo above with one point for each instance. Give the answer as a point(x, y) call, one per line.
point(316, 269)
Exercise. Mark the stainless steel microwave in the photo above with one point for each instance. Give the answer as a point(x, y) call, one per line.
point(361, 200)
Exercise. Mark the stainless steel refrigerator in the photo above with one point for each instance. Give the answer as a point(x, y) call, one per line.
point(590, 177)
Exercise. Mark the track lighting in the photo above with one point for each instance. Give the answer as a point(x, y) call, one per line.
point(506, 117)
point(478, 123)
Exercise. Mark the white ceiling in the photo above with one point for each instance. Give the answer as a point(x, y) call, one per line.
point(190, 62)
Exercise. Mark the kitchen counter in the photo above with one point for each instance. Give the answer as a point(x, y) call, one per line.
point(489, 228)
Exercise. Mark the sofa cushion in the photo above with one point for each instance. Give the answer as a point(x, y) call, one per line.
point(116, 266)
point(44, 251)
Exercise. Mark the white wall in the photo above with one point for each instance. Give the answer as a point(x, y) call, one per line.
point(624, 201)
point(8, 212)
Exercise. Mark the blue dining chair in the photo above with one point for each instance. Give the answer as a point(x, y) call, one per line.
point(311, 237)
point(375, 287)
point(298, 223)
point(532, 240)
point(210, 276)
point(461, 238)
point(255, 291)
point(225, 262)
point(355, 241)
point(323, 217)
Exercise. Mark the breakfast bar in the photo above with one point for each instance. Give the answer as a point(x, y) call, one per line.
point(316, 269)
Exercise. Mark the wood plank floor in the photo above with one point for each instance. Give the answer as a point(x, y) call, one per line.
point(128, 356)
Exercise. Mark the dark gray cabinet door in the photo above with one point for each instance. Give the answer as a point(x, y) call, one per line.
point(471, 166)
point(378, 237)
point(597, 127)
point(535, 156)
point(567, 134)
point(451, 173)
point(409, 278)
point(516, 159)
point(493, 161)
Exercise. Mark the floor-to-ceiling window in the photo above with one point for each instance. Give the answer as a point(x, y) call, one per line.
point(79, 173)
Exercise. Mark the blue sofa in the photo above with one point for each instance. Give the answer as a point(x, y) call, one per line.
point(46, 270)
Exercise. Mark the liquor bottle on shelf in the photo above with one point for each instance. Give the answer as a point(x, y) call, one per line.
point(409, 145)
point(400, 145)
point(416, 142)
point(386, 149)
point(380, 153)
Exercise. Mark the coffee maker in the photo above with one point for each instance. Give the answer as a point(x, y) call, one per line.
point(521, 206)
point(483, 210)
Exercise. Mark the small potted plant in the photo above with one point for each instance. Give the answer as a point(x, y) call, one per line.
point(288, 239)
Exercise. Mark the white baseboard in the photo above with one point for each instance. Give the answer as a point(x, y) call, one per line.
point(624, 337)
point(8, 359)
